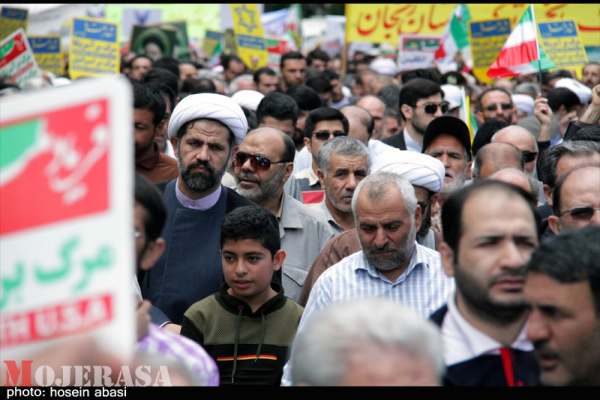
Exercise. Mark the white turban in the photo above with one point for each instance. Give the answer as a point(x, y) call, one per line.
point(524, 102)
point(212, 106)
point(248, 98)
point(583, 92)
point(418, 168)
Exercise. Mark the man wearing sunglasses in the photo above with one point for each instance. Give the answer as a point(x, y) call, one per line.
point(576, 199)
point(495, 103)
point(421, 101)
point(523, 140)
point(262, 165)
point(321, 126)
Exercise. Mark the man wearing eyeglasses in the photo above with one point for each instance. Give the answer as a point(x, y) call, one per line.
point(421, 101)
point(495, 103)
point(576, 199)
point(262, 164)
point(321, 126)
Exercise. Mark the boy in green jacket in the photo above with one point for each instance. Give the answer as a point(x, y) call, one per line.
point(249, 325)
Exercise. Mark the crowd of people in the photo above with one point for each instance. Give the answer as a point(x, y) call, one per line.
point(320, 225)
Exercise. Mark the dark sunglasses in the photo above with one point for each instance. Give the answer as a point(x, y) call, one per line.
point(503, 106)
point(581, 213)
point(431, 108)
point(325, 135)
point(256, 160)
point(528, 156)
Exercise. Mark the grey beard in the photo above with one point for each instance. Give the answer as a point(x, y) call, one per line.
point(265, 190)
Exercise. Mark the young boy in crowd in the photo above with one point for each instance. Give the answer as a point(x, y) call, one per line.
point(249, 325)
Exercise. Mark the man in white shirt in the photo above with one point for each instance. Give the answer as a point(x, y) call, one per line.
point(489, 234)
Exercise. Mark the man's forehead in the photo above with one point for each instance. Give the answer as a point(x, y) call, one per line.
point(340, 161)
point(494, 95)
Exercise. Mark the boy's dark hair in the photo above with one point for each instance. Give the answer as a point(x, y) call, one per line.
point(262, 71)
point(147, 98)
point(277, 105)
point(562, 97)
point(323, 114)
point(252, 222)
point(305, 97)
point(137, 57)
point(571, 257)
point(416, 89)
point(316, 54)
point(163, 77)
point(290, 55)
point(452, 210)
point(155, 216)
point(169, 63)
point(319, 84)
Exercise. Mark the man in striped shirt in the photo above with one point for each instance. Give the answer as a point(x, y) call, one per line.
point(391, 263)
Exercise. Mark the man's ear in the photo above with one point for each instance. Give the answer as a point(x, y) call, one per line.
point(447, 255)
point(278, 259)
point(320, 175)
point(174, 141)
point(469, 170)
point(307, 142)
point(418, 218)
point(554, 224)
point(152, 253)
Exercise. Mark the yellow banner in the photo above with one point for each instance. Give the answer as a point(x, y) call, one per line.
point(94, 50)
point(379, 23)
point(47, 53)
point(249, 33)
point(562, 44)
point(12, 19)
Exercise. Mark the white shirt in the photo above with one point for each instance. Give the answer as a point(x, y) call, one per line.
point(462, 341)
point(411, 144)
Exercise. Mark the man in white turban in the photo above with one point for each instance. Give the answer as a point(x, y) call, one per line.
point(204, 128)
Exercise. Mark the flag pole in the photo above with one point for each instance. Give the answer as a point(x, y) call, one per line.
point(537, 45)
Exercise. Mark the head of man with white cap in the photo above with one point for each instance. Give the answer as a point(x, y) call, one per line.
point(424, 172)
point(204, 128)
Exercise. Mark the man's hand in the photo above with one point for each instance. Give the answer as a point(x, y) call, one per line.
point(542, 111)
point(596, 95)
point(173, 328)
point(143, 319)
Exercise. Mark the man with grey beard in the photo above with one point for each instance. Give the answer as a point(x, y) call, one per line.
point(262, 165)
point(203, 130)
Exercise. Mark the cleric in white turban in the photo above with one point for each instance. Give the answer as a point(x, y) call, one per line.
point(210, 106)
point(418, 168)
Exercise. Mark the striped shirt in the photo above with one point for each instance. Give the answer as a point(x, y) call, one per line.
point(183, 350)
point(424, 286)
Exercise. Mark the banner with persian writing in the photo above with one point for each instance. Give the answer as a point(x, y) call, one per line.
point(249, 35)
point(562, 44)
point(94, 50)
point(17, 61)
point(66, 237)
point(487, 39)
point(46, 50)
point(11, 19)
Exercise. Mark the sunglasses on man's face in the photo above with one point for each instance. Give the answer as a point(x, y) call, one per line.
point(528, 156)
point(503, 106)
point(581, 213)
point(431, 108)
point(325, 135)
point(257, 161)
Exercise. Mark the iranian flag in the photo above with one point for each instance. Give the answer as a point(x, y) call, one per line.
point(454, 40)
point(521, 53)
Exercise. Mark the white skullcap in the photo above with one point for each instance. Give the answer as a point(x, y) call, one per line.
point(523, 102)
point(248, 98)
point(384, 66)
point(583, 92)
point(212, 106)
point(452, 95)
point(418, 168)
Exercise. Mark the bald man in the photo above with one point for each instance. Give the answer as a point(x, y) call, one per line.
point(376, 107)
point(518, 178)
point(523, 140)
point(496, 156)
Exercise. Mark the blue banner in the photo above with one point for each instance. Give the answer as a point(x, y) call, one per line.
point(497, 27)
point(95, 30)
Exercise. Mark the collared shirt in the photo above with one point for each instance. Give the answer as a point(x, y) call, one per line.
point(462, 341)
point(322, 213)
point(203, 203)
point(424, 286)
point(183, 350)
point(302, 160)
point(411, 144)
point(302, 238)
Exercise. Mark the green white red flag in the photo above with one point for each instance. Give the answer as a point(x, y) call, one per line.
point(454, 40)
point(521, 53)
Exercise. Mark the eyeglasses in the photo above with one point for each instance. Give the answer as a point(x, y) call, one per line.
point(503, 106)
point(528, 156)
point(325, 135)
point(581, 213)
point(431, 108)
point(257, 161)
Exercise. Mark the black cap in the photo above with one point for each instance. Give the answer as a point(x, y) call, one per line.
point(450, 126)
